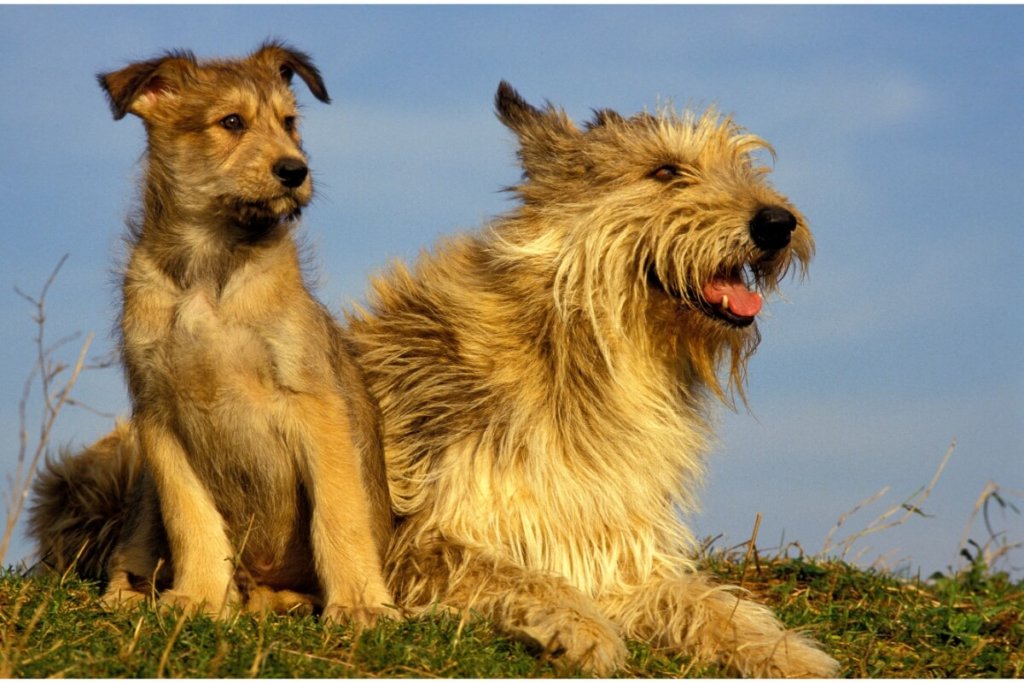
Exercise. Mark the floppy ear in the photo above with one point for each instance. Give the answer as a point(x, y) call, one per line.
point(140, 87)
point(543, 133)
point(289, 61)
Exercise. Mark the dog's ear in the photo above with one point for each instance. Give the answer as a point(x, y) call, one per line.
point(512, 109)
point(139, 87)
point(527, 120)
point(548, 139)
point(289, 62)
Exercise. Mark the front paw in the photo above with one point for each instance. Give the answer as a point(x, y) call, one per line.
point(263, 600)
point(121, 598)
point(593, 648)
point(177, 600)
point(191, 603)
point(361, 615)
point(576, 640)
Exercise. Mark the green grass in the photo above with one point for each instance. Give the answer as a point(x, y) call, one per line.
point(967, 625)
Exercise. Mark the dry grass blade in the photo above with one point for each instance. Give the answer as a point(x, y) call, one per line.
point(996, 546)
point(827, 547)
point(751, 549)
point(165, 656)
point(911, 506)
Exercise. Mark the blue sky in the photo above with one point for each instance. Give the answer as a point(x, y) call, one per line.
point(897, 131)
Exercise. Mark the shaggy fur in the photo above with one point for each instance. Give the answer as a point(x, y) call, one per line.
point(261, 470)
point(546, 382)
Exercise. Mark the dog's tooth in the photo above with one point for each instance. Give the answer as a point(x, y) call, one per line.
point(725, 302)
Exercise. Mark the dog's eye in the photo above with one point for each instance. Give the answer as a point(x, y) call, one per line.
point(666, 172)
point(289, 124)
point(232, 122)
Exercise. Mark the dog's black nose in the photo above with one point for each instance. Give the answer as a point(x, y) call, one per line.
point(291, 171)
point(771, 227)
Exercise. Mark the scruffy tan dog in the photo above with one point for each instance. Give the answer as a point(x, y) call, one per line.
point(260, 446)
point(545, 385)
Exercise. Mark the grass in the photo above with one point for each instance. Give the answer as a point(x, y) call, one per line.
point(970, 624)
point(966, 625)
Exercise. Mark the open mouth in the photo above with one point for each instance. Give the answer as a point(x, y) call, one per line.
point(727, 297)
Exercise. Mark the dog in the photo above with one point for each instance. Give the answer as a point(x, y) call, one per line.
point(253, 461)
point(546, 385)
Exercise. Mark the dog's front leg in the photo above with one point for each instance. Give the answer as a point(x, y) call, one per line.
point(200, 551)
point(538, 608)
point(347, 559)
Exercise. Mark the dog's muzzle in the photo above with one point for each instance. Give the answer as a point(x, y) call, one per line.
point(730, 296)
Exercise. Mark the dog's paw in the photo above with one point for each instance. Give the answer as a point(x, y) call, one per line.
point(176, 600)
point(191, 604)
point(574, 641)
point(362, 615)
point(121, 598)
point(121, 593)
point(591, 647)
point(262, 600)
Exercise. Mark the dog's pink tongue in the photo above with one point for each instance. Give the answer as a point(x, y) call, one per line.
point(742, 302)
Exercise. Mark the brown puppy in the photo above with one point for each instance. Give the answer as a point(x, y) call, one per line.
point(260, 445)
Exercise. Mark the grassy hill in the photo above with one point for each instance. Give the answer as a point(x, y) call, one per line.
point(967, 625)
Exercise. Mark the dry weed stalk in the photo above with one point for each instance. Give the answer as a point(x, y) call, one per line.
point(998, 546)
point(56, 380)
point(885, 521)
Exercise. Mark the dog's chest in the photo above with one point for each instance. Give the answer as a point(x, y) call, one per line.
point(225, 370)
point(223, 352)
point(198, 349)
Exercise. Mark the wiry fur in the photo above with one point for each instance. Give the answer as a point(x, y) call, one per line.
point(261, 470)
point(545, 385)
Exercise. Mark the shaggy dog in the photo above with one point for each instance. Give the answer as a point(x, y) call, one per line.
point(545, 385)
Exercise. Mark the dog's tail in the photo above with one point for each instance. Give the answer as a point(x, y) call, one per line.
point(81, 502)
